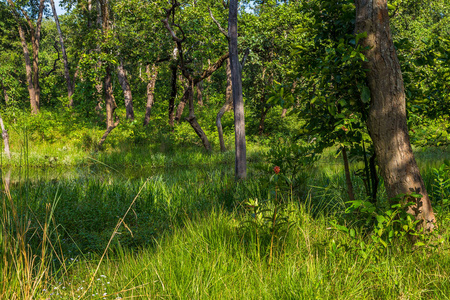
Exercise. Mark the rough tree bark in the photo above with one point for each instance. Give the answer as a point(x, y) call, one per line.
point(387, 113)
point(110, 102)
point(238, 101)
point(200, 93)
point(122, 76)
point(70, 85)
point(226, 107)
point(31, 66)
point(151, 77)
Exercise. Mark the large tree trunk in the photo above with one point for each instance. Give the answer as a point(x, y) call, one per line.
point(151, 77)
point(238, 101)
point(122, 75)
point(226, 107)
point(200, 93)
point(387, 113)
point(70, 86)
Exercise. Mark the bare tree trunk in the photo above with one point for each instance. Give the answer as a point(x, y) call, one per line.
point(35, 41)
point(122, 75)
point(31, 66)
point(110, 102)
point(348, 179)
point(151, 77)
point(226, 107)
point(182, 104)
point(99, 89)
point(5, 137)
point(387, 113)
point(239, 119)
point(173, 94)
point(108, 131)
point(193, 120)
point(29, 73)
point(200, 93)
point(70, 86)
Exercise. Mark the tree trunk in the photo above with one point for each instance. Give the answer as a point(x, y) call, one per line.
point(110, 103)
point(35, 42)
point(107, 132)
point(182, 104)
point(387, 113)
point(29, 73)
point(151, 77)
point(226, 107)
point(348, 179)
point(238, 101)
point(193, 120)
point(70, 86)
point(122, 75)
point(200, 93)
point(5, 137)
point(31, 67)
point(173, 94)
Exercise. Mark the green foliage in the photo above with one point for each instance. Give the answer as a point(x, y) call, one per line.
point(441, 188)
point(295, 159)
point(268, 222)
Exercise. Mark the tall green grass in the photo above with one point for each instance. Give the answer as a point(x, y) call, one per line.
point(181, 233)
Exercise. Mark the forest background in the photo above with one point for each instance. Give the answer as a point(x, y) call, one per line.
point(120, 177)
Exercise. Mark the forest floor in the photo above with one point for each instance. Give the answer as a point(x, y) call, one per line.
point(169, 221)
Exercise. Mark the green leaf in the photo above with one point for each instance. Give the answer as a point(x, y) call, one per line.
point(365, 94)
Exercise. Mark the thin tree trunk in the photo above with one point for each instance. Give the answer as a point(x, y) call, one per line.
point(35, 40)
point(182, 104)
point(173, 94)
point(193, 120)
point(29, 73)
point(122, 75)
point(226, 107)
point(348, 179)
point(69, 84)
point(99, 89)
point(387, 113)
point(31, 66)
point(107, 132)
point(239, 119)
point(5, 137)
point(151, 77)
